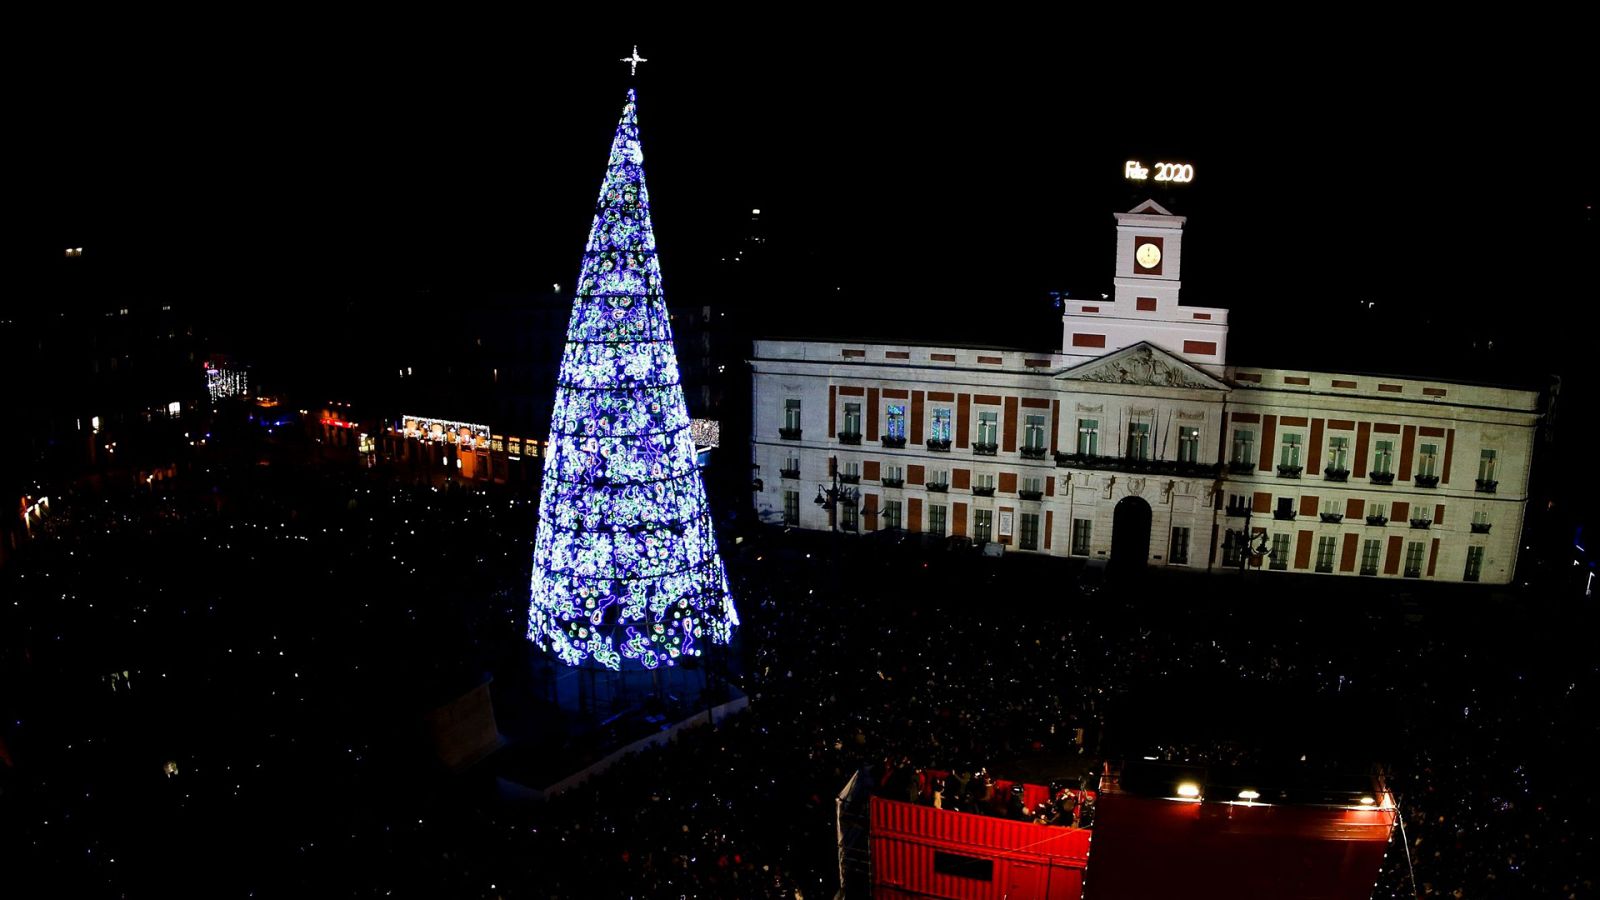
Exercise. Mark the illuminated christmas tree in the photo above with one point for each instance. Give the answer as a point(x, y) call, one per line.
point(625, 565)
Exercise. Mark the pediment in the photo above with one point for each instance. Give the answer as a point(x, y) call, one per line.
point(1143, 364)
point(1150, 208)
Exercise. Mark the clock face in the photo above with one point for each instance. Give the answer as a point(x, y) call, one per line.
point(1148, 255)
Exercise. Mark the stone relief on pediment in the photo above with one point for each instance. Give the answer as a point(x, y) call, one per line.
point(1141, 365)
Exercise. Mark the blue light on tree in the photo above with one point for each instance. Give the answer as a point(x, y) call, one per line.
point(625, 565)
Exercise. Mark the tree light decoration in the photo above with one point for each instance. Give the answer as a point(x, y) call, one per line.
point(625, 565)
point(224, 381)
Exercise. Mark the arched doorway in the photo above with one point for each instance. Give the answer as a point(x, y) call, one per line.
point(1130, 533)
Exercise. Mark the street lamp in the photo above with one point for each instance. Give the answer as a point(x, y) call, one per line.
point(1251, 546)
point(832, 498)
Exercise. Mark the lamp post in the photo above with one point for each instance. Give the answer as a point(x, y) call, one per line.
point(1243, 539)
point(831, 498)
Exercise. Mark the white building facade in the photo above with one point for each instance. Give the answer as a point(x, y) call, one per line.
point(1137, 442)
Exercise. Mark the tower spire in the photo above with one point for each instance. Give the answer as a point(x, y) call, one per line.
point(625, 564)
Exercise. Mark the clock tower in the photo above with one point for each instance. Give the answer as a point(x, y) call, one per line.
point(1149, 258)
point(1148, 280)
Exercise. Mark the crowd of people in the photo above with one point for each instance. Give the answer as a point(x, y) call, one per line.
point(275, 634)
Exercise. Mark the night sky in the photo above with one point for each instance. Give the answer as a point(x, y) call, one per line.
point(912, 172)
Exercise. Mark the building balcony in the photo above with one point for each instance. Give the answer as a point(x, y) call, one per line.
point(1487, 485)
point(1238, 511)
point(1283, 515)
point(789, 434)
point(1378, 520)
point(1332, 474)
point(1421, 523)
point(1480, 527)
point(1332, 518)
point(894, 482)
point(1289, 471)
point(983, 492)
point(1140, 466)
point(1381, 477)
point(852, 478)
point(849, 437)
point(1241, 467)
point(939, 446)
point(1030, 495)
point(1033, 452)
point(1427, 481)
point(937, 487)
point(985, 449)
point(894, 443)
point(789, 473)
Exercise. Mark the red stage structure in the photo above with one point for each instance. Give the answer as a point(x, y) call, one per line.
point(1161, 831)
point(919, 851)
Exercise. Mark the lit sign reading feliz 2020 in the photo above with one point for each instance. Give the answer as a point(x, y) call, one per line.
point(1177, 173)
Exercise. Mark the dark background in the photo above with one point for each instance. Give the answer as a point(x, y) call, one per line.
point(912, 167)
point(929, 179)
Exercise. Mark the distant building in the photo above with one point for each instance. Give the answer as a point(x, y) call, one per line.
point(1138, 441)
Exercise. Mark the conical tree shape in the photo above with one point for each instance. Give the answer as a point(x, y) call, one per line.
point(625, 565)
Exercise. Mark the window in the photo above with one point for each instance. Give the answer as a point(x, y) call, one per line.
point(851, 518)
point(893, 475)
point(983, 525)
point(1427, 459)
point(1383, 457)
point(1285, 508)
point(1280, 551)
point(1377, 511)
point(791, 507)
point(1325, 547)
point(1244, 443)
point(792, 465)
point(1237, 504)
point(1178, 553)
point(1289, 454)
point(963, 866)
point(1480, 521)
point(1414, 559)
point(896, 423)
point(852, 471)
point(1233, 547)
point(891, 514)
point(1474, 564)
point(1081, 532)
point(1033, 485)
point(1188, 444)
point(1371, 552)
point(852, 418)
point(791, 414)
point(1088, 437)
point(983, 480)
point(936, 519)
point(940, 477)
point(1486, 465)
point(1338, 453)
point(941, 425)
point(988, 428)
point(1138, 440)
point(1029, 539)
point(1033, 432)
